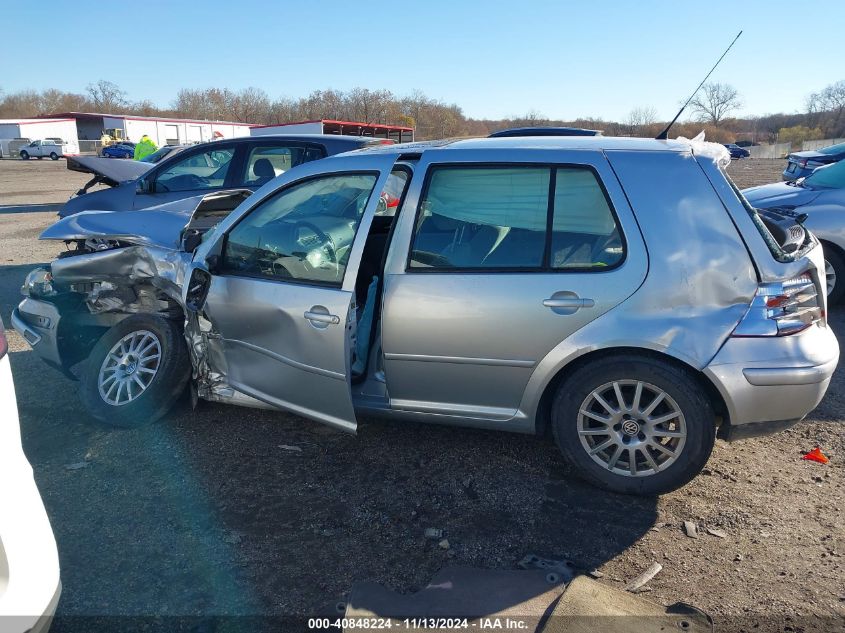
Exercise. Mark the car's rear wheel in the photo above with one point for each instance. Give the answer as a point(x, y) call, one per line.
point(24, 155)
point(634, 425)
point(54, 156)
point(136, 371)
point(834, 270)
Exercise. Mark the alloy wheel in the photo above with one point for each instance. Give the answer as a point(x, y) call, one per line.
point(830, 277)
point(631, 427)
point(129, 368)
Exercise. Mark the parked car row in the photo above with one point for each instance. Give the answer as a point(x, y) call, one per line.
point(621, 294)
point(801, 164)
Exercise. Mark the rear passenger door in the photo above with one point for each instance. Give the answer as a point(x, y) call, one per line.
point(495, 263)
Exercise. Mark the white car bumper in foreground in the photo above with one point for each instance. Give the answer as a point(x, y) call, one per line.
point(29, 563)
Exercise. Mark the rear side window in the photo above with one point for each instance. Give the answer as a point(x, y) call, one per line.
point(265, 162)
point(515, 218)
point(584, 232)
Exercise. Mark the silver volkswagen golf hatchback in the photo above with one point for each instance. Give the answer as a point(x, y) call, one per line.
point(619, 294)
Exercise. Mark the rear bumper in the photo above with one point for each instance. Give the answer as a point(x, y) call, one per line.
point(29, 563)
point(769, 384)
point(799, 172)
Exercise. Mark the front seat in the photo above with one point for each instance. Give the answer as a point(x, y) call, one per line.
point(263, 170)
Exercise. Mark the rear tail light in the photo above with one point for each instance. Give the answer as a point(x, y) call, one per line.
point(802, 163)
point(783, 308)
point(4, 344)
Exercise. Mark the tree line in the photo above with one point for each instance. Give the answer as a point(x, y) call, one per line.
point(711, 109)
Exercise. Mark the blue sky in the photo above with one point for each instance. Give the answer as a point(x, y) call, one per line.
point(495, 58)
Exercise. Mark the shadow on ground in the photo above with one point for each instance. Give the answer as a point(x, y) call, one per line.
point(28, 208)
point(234, 511)
point(11, 280)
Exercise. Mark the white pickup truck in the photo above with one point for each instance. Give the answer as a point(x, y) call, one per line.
point(52, 147)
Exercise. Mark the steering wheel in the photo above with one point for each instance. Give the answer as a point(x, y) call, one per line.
point(326, 241)
point(185, 182)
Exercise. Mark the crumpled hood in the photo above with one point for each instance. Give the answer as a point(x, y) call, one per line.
point(144, 227)
point(779, 194)
point(112, 171)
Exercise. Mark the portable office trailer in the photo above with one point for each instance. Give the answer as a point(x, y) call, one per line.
point(15, 131)
point(163, 130)
point(396, 133)
point(175, 131)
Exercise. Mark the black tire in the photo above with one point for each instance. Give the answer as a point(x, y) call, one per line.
point(54, 156)
point(162, 392)
point(832, 256)
point(678, 383)
point(24, 155)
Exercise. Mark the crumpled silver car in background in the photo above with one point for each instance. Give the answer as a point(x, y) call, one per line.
point(821, 196)
point(29, 563)
point(620, 293)
point(244, 162)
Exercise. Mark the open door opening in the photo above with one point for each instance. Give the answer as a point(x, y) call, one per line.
point(370, 281)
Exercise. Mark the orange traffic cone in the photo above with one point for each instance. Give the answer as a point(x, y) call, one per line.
point(816, 455)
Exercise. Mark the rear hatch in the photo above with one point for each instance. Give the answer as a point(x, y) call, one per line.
point(791, 296)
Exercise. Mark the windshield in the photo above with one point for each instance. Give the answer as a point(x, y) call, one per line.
point(833, 149)
point(159, 154)
point(827, 177)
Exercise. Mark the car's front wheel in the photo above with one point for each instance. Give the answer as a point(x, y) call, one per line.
point(136, 371)
point(634, 425)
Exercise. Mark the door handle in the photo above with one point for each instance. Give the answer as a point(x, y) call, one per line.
point(568, 303)
point(320, 317)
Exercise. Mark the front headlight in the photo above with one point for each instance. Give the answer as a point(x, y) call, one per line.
point(38, 283)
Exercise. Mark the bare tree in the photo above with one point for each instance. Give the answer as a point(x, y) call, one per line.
point(714, 101)
point(827, 108)
point(249, 105)
point(107, 96)
point(532, 118)
point(640, 118)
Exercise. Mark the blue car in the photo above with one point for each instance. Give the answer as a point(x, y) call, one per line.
point(737, 151)
point(119, 150)
point(802, 164)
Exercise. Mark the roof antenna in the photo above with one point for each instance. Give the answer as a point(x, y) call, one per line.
point(665, 133)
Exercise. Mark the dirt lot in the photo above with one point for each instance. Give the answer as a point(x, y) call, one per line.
point(212, 513)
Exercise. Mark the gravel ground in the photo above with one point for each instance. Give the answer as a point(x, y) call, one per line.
point(211, 512)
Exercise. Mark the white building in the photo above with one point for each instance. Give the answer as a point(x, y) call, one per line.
point(162, 130)
point(34, 129)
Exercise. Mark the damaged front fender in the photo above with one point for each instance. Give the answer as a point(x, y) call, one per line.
point(160, 268)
